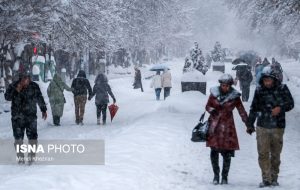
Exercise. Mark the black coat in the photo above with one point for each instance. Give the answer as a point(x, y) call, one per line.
point(102, 89)
point(265, 100)
point(137, 80)
point(245, 77)
point(81, 85)
point(24, 103)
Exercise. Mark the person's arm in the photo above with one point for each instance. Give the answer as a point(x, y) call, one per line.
point(66, 87)
point(241, 110)
point(254, 109)
point(110, 93)
point(41, 101)
point(209, 106)
point(88, 86)
point(288, 102)
point(10, 92)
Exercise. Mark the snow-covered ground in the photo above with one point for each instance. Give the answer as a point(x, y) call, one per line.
point(148, 146)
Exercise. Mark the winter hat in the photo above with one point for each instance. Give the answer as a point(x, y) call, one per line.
point(268, 72)
point(24, 74)
point(82, 74)
point(226, 79)
point(101, 78)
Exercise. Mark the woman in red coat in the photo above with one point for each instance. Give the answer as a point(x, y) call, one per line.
point(222, 136)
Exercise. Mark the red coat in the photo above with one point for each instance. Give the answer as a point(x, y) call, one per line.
point(222, 134)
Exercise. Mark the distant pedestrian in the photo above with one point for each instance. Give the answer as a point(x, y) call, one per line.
point(166, 82)
point(57, 99)
point(245, 77)
point(102, 89)
point(157, 84)
point(81, 86)
point(138, 79)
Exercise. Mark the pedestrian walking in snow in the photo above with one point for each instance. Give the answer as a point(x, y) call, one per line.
point(138, 79)
point(166, 80)
point(24, 95)
point(57, 99)
point(102, 89)
point(270, 102)
point(277, 69)
point(245, 77)
point(222, 136)
point(81, 86)
point(157, 84)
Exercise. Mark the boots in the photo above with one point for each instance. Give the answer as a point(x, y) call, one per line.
point(31, 155)
point(214, 157)
point(56, 120)
point(20, 156)
point(226, 167)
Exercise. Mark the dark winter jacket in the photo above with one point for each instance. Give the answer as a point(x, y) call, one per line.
point(265, 100)
point(81, 85)
point(244, 76)
point(222, 133)
point(137, 80)
point(24, 103)
point(101, 89)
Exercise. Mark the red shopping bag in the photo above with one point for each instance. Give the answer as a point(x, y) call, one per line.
point(113, 110)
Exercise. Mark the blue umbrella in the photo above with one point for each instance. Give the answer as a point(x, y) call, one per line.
point(159, 67)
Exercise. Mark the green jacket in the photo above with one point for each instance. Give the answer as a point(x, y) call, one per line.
point(56, 95)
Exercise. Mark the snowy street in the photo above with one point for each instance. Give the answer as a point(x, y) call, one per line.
point(148, 146)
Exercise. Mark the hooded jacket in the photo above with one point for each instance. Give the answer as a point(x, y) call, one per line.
point(81, 85)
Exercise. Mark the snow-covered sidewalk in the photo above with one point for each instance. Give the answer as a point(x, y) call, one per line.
point(148, 146)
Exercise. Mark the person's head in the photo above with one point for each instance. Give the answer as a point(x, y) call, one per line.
point(24, 78)
point(82, 74)
point(268, 77)
point(226, 81)
point(196, 44)
point(273, 60)
point(157, 72)
point(101, 78)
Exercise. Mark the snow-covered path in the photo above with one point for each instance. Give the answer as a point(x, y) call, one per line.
point(148, 145)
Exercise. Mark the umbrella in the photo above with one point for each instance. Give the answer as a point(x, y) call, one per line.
point(113, 110)
point(238, 61)
point(159, 67)
point(249, 57)
point(240, 66)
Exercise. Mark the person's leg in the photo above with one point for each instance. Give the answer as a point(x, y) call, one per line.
point(226, 166)
point(157, 93)
point(32, 135)
point(18, 132)
point(76, 102)
point(276, 148)
point(98, 108)
point(103, 109)
point(263, 148)
point(214, 158)
point(82, 107)
point(247, 92)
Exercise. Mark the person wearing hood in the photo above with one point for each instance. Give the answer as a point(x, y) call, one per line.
point(270, 103)
point(25, 95)
point(81, 86)
point(102, 89)
point(166, 80)
point(222, 136)
point(57, 99)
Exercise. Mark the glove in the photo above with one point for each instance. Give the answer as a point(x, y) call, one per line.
point(250, 130)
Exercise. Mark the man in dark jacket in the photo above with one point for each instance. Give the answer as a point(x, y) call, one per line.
point(271, 100)
point(245, 77)
point(81, 86)
point(24, 96)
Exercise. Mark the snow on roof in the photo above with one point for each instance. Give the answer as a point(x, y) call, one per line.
point(193, 76)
